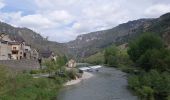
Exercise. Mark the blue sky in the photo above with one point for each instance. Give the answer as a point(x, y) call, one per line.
point(26, 6)
point(63, 20)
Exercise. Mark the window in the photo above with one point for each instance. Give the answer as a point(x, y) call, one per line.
point(14, 48)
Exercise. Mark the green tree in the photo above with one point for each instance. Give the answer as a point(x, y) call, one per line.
point(155, 59)
point(110, 56)
point(145, 42)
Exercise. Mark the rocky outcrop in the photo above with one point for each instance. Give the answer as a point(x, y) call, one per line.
point(88, 44)
point(32, 38)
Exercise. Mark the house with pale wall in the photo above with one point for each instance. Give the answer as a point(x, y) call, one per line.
point(15, 48)
point(71, 63)
point(5, 50)
point(5, 47)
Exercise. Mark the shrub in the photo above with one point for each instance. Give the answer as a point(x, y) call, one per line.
point(110, 56)
point(35, 71)
point(71, 74)
point(146, 42)
point(155, 59)
point(147, 93)
point(134, 82)
point(151, 86)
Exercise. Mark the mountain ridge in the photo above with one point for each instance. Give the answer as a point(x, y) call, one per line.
point(33, 38)
point(91, 43)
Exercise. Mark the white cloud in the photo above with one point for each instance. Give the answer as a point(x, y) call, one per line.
point(2, 4)
point(60, 16)
point(63, 20)
point(157, 10)
point(35, 21)
point(11, 18)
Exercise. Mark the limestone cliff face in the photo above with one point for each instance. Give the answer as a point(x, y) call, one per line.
point(88, 44)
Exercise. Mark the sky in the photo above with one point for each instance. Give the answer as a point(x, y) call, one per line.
point(64, 20)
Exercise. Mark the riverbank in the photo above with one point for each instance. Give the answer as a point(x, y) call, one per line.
point(86, 75)
point(107, 84)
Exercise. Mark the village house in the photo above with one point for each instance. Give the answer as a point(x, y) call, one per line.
point(71, 63)
point(15, 48)
point(27, 51)
point(5, 50)
point(48, 55)
point(34, 54)
point(5, 47)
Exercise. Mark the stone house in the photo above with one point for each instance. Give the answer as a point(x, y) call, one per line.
point(47, 54)
point(5, 50)
point(15, 48)
point(34, 54)
point(71, 63)
point(27, 51)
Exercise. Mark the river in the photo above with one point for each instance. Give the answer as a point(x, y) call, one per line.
point(107, 84)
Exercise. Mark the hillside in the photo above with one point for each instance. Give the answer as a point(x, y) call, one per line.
point(89, 44)
point(32, 38)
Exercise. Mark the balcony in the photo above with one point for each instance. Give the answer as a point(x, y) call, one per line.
point(15, 51)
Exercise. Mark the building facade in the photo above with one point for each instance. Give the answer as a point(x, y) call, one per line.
point(71, 63)
point(5, 50)
point(15, 49)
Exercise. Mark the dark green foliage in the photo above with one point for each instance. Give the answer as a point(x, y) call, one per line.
point(155, 59)
point(35, 71)
point(72, 74)
point(110, 56)
point(118, 57)
point(151, 86)
point(146, 42)
point(148, 52)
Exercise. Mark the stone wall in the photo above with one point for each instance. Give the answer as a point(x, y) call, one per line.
point(21, 65)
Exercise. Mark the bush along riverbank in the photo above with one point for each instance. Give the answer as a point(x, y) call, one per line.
point(22, 85)
point(150, 55)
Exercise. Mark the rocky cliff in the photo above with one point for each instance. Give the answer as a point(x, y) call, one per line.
point(88, 44)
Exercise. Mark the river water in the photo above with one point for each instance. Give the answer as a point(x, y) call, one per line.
point(107, 84)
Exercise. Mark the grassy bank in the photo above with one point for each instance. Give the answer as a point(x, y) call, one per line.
point(22, 85)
